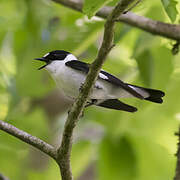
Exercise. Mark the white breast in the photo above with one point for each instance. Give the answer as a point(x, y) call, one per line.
point(70, 80)
point(66, 78)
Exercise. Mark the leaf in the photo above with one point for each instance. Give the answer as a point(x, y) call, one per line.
point(145, 64)
point(144, 41)
point(144, 57)
point(91, 7)
point(163, 66)
point(121, 31)
point(117, 159)
point(170, 8)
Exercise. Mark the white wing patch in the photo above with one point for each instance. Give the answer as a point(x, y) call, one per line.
point(46, 55)
point(102, 76)
point(70, 57)
point(140, 91)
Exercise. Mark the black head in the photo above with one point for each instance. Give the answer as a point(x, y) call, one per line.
point(53, 56)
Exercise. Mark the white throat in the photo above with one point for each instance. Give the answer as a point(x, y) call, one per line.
point(70, 57)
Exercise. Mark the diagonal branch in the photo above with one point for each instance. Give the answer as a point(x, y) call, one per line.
point(29, 139)
point(64, 150)
point(171, 31)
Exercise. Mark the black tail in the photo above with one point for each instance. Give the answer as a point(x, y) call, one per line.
point(155, 95)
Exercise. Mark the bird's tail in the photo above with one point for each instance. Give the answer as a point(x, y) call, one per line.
point(153, 94)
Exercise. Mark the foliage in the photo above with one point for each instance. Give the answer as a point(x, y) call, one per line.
point(118, 144)
point(170, 8)
point(90, 8)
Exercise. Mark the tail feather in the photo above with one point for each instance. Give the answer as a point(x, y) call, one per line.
point(154, 95)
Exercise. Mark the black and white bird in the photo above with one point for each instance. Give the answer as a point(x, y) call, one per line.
point(69, 74)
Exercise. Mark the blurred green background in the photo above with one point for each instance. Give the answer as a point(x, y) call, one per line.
point(108, 144)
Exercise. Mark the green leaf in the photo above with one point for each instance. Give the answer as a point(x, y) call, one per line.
point(117, 159)
point(121, 31)
point(170, 8)
point(91, 7)
point(144, 41)
point(144, 57)
point(145, 64)
point(163, 66)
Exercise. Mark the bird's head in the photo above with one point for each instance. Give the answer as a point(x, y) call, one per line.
point(53, 58)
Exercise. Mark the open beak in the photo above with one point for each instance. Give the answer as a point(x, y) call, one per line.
point(42, 59)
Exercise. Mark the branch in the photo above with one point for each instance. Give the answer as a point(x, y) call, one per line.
point(177, 176)
point(29, 139)
point(171, 31)
point(64, 151)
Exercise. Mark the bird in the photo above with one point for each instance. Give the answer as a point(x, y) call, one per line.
point(69, 74)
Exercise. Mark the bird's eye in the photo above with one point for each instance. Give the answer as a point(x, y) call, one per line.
point(55, 56)
point(58, 56)
point(51, 57)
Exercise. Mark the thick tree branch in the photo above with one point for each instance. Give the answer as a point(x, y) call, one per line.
point(29, 139)
point(177, 175)
point(167, 30)
point(64, 151)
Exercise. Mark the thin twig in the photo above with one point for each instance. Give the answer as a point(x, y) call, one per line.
point(29, 139)
point(132, 7)
point(171, 31)
point(65, 149)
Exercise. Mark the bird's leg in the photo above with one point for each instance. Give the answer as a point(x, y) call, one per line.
point(97, 87)
point(133, 6)
point(93, 101)
point(80, 88)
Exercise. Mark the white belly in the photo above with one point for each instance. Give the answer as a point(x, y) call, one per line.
point(71, 85)
point(70, 82)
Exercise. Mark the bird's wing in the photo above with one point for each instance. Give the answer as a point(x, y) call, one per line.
point(103, 75)
point(117, 105)
point(78, 65)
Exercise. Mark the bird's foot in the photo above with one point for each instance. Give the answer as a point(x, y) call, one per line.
point(80, 89)
point(97, 87)
point(92, 102)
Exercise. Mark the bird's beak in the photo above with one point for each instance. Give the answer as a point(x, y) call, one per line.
point(42, 59)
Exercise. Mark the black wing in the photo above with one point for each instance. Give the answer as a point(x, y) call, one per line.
point(118, 105)
point(78, 65)
point(84, 67)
